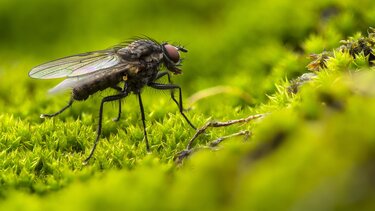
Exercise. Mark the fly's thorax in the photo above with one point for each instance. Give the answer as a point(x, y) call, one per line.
point(143, 58)
point(140, 79)
point(141, 50)
point(145, 74)
point(154, 57)
point(133, 69)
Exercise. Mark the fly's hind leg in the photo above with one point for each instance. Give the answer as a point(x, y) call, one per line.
point(59, 112)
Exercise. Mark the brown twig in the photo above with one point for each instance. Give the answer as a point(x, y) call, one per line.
point(189, 149)
point(216, 142)
point(221, 124)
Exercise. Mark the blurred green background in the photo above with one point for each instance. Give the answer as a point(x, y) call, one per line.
point(230, 43)
point(237, 43)
point(247, 47)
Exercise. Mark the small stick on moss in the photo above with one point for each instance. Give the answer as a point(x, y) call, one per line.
point(221, 124)
point(189, 149)
point(245, 133)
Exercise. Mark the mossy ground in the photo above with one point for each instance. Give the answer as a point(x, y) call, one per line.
point(313, 151)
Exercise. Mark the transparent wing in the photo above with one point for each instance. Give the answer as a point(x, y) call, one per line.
point(66, 84)
point(76, 65)
point(72, 82)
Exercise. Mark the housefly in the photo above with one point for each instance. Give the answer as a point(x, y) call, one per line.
point(127, 68)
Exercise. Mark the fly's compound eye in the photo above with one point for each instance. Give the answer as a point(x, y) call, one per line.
point(172, 53)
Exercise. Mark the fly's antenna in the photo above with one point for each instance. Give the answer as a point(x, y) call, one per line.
point(182, 49)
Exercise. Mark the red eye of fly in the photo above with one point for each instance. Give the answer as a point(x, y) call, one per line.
point(172, 53)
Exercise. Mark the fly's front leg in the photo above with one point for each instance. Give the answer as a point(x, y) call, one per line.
point(162, 74)
point(179, 104)
point(59, 112)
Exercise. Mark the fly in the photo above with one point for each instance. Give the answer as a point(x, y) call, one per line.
point(127, 68)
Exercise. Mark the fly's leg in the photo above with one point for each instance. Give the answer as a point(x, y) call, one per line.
point(116, 119)
point(179, 104)
point(59, 112)
point(143, 121)
point(163, 73)
point(99, 129)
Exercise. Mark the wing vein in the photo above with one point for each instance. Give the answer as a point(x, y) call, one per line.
point(80, 64)
point(64, 62)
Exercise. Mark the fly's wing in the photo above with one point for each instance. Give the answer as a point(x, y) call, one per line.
point(72, 82)
point(66, 84)
point(76, 65)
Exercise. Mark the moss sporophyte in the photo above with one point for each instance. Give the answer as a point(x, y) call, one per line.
point(127, 68)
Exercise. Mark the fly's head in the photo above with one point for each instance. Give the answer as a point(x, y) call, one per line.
point(171, 57)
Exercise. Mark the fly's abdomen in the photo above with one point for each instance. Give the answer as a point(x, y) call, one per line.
point(95, 83)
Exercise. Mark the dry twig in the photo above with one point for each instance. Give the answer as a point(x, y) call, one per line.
point(189, 149)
